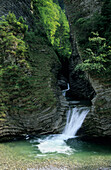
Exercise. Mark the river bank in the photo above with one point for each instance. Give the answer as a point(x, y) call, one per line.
point(22, 155)
point(57, 151)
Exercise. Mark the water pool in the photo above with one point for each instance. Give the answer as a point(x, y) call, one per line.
point(25, 154)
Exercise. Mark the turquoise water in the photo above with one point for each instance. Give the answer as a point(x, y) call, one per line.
point(55, 152)
point(29, 148)
point(83, 155)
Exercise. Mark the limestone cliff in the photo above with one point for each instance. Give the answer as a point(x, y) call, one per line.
point(98, 121)
point(37, 108)
point(80, 87)
point(20, 8)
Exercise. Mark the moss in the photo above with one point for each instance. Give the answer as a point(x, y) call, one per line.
point(42, 60)
point(26, 81)
point(2, 120)
point(101, 102)
point(85, 24)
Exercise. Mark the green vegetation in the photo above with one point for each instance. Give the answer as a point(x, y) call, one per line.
point(14, 67)
point(13, 48)
point(27, 58)
point(97, 59)
point(95, 51)
point(26, 61)
point(55, 24)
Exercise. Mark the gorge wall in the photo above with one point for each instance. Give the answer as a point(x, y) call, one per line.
point(34, 105)
point(98, 121)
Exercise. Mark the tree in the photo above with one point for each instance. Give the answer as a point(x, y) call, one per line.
point(97, 59)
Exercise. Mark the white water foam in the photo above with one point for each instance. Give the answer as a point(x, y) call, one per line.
point(75, 118)
point(64, 91)
point(56, 143)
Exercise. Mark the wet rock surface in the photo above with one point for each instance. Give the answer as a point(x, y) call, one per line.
point(26, 113)
point(98, 121)
point(19, 8)
point(50, 120)
point(80, 86)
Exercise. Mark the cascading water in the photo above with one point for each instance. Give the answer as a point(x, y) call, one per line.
point(57, 152)
point(64, 91)
point(57, 143)
point(75, 118)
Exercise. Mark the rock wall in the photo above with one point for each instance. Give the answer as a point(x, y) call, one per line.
point(39, 109)
point(98, 121)
point(80, 87)
point(20, 8)
point(49, 120)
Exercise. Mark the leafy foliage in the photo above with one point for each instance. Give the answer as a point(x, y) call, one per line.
point(27, 57)
point(55, 24)
point(97, 59)
point(13, 49)
point(14, 67)
point(61, 41)
point(25, 64)
point(105, 21)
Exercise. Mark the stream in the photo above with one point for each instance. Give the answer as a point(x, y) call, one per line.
point(63, 151)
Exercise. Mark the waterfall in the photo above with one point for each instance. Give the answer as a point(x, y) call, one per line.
point(57, 142)
point(75, 118)
point(64, 91)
